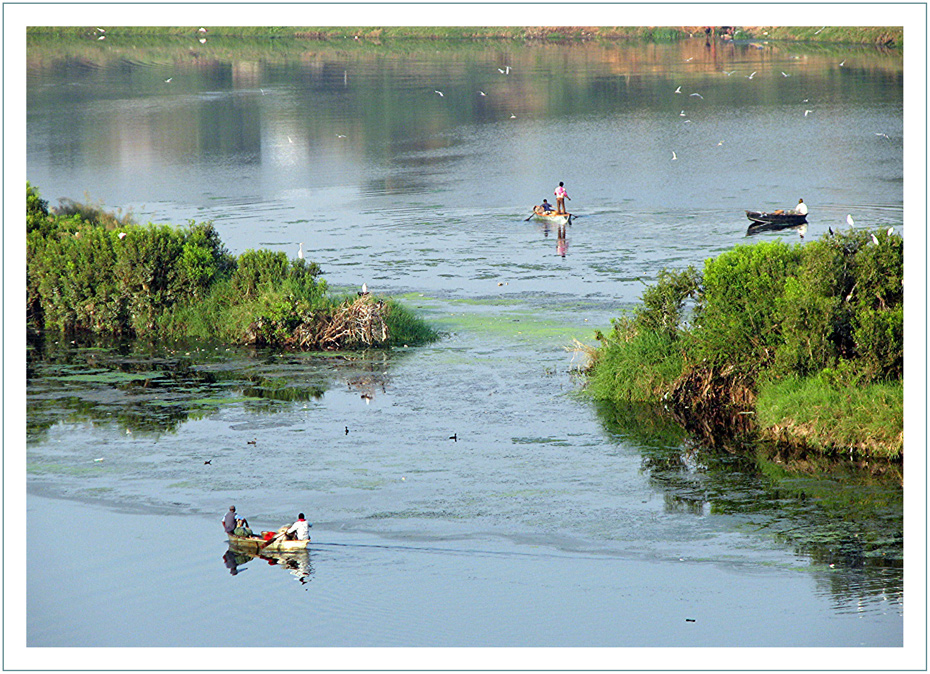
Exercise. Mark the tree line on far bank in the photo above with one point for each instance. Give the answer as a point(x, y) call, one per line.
point(92, 272)
point(798, 343)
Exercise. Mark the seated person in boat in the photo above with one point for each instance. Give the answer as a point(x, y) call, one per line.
point(242, 528)
point(800, 209)
point(229, 521)
point(299, 530)
point(545, 208)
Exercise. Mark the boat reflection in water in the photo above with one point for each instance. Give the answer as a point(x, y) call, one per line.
point(297, 562)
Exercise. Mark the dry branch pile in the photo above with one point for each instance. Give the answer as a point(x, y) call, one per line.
point(351, 325)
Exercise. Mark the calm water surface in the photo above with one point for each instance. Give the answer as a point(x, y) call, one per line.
point(544, 521)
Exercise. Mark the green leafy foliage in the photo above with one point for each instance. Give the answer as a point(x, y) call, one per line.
point(737, 318)
point(827, 315)
point(94, 272)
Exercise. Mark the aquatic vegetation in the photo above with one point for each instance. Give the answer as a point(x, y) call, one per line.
point(801, 343)
point(94, 273)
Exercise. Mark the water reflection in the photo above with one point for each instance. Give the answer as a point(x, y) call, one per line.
point(297, 563)
point(840, 514)
point(561, 235)
point(150, 391)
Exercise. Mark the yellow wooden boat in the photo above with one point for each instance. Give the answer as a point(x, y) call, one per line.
point(257, 544)
point(551, 216)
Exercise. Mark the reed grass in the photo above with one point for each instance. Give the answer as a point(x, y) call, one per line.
point(835, 417)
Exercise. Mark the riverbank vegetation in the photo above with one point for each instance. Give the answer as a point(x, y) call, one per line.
point(873, 35)
point(801, 344)
point(95, 272)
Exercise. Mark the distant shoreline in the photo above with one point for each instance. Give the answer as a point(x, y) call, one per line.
point(883, 36)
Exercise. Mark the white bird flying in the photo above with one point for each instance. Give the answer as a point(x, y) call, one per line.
point(842, 63)
point(438, 92)
point(698, 95)
point(753, 74)
point(728, 72)
point(681, 114)
point(784, 74)
point(481, 92)
point(674, 156)
point(678, 90)
point(807, 112)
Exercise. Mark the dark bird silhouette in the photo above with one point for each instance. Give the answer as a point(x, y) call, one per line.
point(454, 437)
point(347, 430)
point(208, 463)
point(252, 442)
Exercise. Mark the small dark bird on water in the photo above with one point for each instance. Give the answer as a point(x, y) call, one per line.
point(252, 442)
point(454, 437)
point(208, 463)
point(347, 430)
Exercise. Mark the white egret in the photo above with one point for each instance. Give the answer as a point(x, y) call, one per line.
point(875, 239)
point(674, 156)
point(300, 251)
point(849, 220)
point(807, 112)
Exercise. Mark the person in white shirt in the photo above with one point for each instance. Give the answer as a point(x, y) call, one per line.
point(801, 208)
point(299, 530)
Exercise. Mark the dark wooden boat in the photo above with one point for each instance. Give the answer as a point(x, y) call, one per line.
point(777, 219)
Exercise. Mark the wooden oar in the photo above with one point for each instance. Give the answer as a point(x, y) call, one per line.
point(531, 215)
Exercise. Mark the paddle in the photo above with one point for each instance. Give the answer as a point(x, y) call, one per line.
point(531, 215)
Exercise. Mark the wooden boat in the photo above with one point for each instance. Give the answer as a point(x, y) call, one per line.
point(777, 220)
point(257, 544)
point(552, 217)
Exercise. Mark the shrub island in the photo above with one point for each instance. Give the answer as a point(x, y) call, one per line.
point(801, 344)
point(97, 273)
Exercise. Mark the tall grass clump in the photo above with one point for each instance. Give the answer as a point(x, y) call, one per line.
point(643, 354)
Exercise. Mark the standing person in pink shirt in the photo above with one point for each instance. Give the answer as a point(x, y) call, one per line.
point(560, 196)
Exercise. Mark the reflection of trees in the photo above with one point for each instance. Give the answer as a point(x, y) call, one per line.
point(314, 95)
point(848, 515)
point(151, 391)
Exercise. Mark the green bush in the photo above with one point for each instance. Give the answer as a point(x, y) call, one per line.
point(663, 304)
point(737, 319)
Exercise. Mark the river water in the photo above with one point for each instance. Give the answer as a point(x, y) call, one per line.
point(463, 494)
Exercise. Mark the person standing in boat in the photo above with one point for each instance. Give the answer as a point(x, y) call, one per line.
point(560, 196)
point(299, 530)
point(229, 521)
point(801, 208)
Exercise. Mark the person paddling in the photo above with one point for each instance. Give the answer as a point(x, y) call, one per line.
point(560, 196)
point(299, 530)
